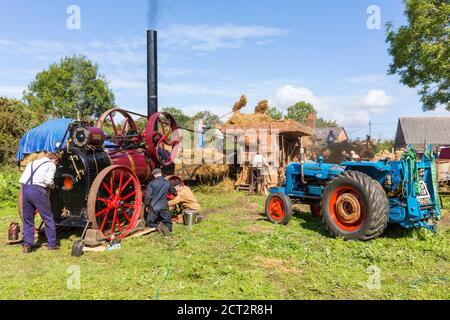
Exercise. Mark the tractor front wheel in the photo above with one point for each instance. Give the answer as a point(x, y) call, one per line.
point(355, 207)
point(278, 208)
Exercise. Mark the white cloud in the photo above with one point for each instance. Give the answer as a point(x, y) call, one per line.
point(367, 79)
point(289, 95)
point(341, 109)
point(11, 91)
point(195, 89)
point(120, 84)
point(209, 38)
point(376, 101)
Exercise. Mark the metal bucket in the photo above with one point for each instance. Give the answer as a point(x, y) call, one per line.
point(190, 218)
point(13, 232)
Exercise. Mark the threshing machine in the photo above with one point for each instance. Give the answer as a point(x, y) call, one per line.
point(357, 200)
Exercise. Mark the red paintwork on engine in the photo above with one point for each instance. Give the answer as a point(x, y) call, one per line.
point(96, 136)
point(135, 160)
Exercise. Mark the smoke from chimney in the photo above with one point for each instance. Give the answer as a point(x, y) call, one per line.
point(153, 14)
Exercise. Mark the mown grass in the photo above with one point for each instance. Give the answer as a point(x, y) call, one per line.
point(236, 254)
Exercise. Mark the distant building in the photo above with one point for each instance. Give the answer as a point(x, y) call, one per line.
point(323, 134)
point(422, 131)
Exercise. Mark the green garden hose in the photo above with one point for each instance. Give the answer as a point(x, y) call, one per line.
point(410, 158)
point(434, 177)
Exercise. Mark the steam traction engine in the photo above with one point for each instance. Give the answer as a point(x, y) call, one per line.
point(103, 170)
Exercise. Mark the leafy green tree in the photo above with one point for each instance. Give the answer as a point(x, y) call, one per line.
point(68, 86)
point(421, 51)
point(386, 145)
point(141, 124)
point(15, 120)
point(181, 118)
point(322, 123)
point(299, 112)
point(209, 119)
point(275, 114)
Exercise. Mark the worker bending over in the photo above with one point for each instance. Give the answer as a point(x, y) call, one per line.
point(38, 176)
point(185, 199)
point(157, 203)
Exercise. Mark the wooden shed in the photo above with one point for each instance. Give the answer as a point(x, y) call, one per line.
point(421, 131)
point(277, 141)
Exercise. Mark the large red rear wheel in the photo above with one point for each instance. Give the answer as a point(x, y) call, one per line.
point(355, 207)
point(162, 138)
point(278, 208)
point(115, 202)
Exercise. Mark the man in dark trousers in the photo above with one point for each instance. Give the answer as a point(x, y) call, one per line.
point(37, 177)
point(157, 203)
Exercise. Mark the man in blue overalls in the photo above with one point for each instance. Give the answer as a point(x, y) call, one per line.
point(157, 203)
point(38, 176)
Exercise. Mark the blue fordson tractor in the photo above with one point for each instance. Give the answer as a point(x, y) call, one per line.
point(357, 200)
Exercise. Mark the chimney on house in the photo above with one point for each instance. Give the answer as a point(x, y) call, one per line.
point(311, 120)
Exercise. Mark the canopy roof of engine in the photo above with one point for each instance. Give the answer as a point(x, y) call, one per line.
point(43, 138)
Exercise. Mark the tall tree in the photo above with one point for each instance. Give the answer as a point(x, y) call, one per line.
point(299, 111)
point(180, 117)
point(209, 119)
point(421, 51)
point(275, 114)
point(322, 123)
point(68, 86)
point(15, 120)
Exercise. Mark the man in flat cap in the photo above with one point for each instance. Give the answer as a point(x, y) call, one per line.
point(157, 203)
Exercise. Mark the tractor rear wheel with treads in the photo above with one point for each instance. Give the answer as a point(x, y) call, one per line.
point(355, 207)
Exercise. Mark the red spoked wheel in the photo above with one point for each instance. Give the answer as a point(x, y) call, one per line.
point(162, 138)
point(115, 202)
point(119, 124)
point(347, 208)
point(278, 208)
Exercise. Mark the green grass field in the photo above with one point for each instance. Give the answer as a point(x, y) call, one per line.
point(235, 254)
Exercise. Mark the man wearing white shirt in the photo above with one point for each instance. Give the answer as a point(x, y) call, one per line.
point(38, 176)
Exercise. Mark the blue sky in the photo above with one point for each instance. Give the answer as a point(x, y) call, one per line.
point(211, 52)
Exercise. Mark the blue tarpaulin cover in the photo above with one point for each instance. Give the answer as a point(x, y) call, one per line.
point(43, 138)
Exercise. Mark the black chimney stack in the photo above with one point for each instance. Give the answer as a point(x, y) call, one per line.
point(152, 72)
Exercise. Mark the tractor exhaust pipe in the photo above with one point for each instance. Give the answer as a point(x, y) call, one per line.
point(302, 160)
point(152, 72)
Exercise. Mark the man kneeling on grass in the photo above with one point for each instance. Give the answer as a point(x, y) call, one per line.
point(186, 201)
point(157, 203)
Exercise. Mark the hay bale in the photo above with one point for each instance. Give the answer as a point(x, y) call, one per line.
point(240, 104)
point(239, 118)
point(30, 158)
point(384, 155)
point(262, 107)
